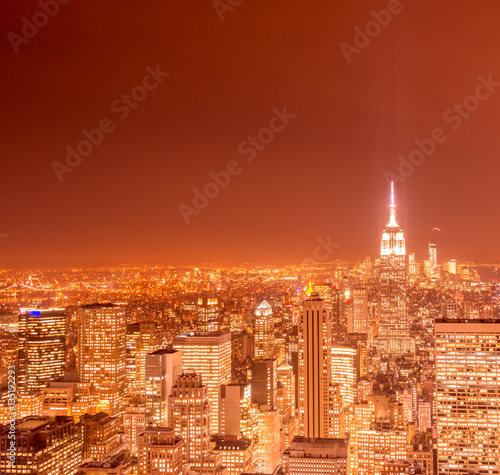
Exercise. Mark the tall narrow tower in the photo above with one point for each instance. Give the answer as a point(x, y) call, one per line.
point(394, 331)
point(433, 258)
point(314, 368)
point(264, 332)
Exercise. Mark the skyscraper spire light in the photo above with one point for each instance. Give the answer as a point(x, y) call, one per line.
point(392, 218)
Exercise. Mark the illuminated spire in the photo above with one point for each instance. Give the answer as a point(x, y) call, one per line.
point(392, 219)
point(310, 289)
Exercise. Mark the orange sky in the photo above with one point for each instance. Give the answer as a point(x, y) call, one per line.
point(319, 174)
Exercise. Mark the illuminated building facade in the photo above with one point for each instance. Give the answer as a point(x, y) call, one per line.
point(42, 347)
point(9, 344)
point(433, 259)
point(208, 314)
point(236, 455)
point(412, 265)
point(468, 396)
point(375, 447)
point(45, 445)
point(57, 399)
point(286, 390)
point(268, 447)
point(101, 436)
point(264, 332)
point(209, 355)
point(314, 368)
point(162, 369)
point(308, 456)
point(343, 363)
point(394, 331)
point(189, 415)
point(101, 358)
point(134, 422)
point(142, 338)
point(160, 452)
point(360, 310)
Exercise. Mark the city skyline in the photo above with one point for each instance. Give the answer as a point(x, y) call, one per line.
point(249, 238)
point(329, 251)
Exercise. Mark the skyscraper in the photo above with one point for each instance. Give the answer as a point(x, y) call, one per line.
point(189, 415)
point(162, 369)
point(314, 367)
point(433, 258)
point(343, 361)
point(208, 314)
point(264, 332)
point(468, 396)
point(360, 310)
point(142, 338)
point(264, 383)
point(394, 331)
point(236, 414)
point(42, 347)
point(101, 358)
point(209, 355)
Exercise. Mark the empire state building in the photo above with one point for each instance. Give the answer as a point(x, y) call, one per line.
point(394, 330)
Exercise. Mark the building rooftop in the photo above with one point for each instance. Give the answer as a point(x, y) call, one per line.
point(241, 444)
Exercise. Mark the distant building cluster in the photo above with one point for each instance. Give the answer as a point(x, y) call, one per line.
point(388, 366)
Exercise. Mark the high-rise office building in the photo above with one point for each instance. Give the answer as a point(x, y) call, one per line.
point(268, 447)
point(314, 368)
point(412, 265)
point(209, 355)
point(208, 314)
point(264, 383)
point(468, 396)
point(45, 446)
point(433, 259)
point(142, 338)
point(236, 412)
point(394, 331)
point(343, 361)
point(263, 347)
point(160, 452)
point(360, 310)
point(286, 393)
point(134, 421)
point(189, 415)
point(101, 358)
point(162, 369)
point(42, 347)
